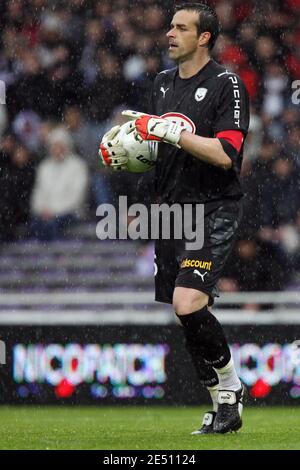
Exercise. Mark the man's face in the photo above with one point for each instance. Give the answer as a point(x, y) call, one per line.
point(58, 151)
point(183, 36)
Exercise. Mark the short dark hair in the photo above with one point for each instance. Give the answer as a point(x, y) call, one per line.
point(208, 20)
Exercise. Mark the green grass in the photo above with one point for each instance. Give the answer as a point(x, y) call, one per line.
point(159, 428)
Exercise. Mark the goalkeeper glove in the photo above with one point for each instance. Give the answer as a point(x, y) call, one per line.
point(111, 150)
point(150, 127)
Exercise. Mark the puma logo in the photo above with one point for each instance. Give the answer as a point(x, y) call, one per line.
point(164, 91)
point(199, 274)
point(226, 73)
point(226, 397)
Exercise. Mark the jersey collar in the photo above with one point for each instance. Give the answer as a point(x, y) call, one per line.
point(210, 69)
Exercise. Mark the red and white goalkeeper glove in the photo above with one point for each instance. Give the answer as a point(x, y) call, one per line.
point(111, 150)
point(155, 128)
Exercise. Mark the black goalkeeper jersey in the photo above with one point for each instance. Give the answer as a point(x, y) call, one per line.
point(211, 101)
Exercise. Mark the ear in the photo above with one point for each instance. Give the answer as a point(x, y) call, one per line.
point(204, 38)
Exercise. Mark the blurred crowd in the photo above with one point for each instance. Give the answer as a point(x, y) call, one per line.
point(70, 67)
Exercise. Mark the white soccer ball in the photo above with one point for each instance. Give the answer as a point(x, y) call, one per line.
point(141, 155)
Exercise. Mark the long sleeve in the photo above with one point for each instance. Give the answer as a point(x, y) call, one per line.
point(76, 186)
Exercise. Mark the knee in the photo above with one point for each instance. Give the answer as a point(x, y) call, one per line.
point(187, 300)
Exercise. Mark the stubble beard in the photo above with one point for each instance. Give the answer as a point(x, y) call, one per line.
point(183, 57)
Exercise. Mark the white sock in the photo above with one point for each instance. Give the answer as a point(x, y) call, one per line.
point(213, 391)
point(228, 378)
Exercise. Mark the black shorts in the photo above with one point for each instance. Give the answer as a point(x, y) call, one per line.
point(198, 269)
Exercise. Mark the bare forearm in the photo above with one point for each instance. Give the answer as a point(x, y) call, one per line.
point(208, 150)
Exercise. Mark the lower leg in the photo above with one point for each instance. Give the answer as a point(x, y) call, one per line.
point(208, 347)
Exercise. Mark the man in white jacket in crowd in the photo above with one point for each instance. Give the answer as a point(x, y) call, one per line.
point(60, 188)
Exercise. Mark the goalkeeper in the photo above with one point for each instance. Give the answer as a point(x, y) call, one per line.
point(204, 118)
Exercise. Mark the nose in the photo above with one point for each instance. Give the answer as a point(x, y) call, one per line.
point(171, 33)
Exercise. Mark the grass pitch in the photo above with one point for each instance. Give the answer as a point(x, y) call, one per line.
point(151, 428)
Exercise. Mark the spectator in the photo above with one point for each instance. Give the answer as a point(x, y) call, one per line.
point(27, 93)
point(16, 184)
point(251, 260)
point(86, 137)
point(94, 38)
point(293, 145)
point(59, 190)
point(26, 126)
point(22, 180)
point(275, 87)
point(109, 88)
point(84, 134)
point(280, 195)
point(3, 119)
point(7, 146)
